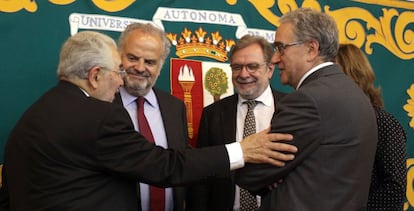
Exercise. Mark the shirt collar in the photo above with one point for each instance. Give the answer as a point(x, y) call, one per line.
point(128, 99)
point(84, 92)
point(266, 97)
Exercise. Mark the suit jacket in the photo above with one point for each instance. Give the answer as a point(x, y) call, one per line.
point(218, 124)
point(174, 118)
point(335, 130)
point(73, 152)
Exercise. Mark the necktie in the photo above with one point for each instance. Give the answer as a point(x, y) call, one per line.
point(157, 195)
point(248, 201)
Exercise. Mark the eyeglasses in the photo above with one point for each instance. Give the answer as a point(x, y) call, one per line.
point(121, 71)
point(280, 47)
point(251, 67)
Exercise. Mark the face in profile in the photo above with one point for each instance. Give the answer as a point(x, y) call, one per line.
point(109, 80)
point(291, 58)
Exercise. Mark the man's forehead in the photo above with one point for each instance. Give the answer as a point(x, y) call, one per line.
point(285, 29)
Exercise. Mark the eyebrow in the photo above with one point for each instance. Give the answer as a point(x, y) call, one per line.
point(145, 59)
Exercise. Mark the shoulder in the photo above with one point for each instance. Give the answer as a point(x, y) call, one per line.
point(165, 97)
point(278, 94)
point(388, 124)
point(384, 116)
point(223, 103)
point(107, 109)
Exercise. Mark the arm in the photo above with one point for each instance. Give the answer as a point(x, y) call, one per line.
point(389, 177)
point(297, 115)
point(120, 150)
point(212, 133)
point(199, 193)
point(265, 147)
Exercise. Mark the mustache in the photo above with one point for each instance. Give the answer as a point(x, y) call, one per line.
point(245, 80)
point(132, 71)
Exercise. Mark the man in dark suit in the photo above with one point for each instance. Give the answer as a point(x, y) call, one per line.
point(332, 121)
point(143, 49)
point(222, 122)
point(74, 149)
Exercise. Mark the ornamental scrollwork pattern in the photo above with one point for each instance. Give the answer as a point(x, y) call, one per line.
point(393, 29)
point(356, 25)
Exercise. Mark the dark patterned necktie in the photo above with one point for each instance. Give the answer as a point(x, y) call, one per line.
point(248, 201)
point(157, 195)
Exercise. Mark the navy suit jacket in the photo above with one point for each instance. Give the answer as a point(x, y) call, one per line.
point(174, 118)
point(217, 127)
point(335, 130)
point(73, 152)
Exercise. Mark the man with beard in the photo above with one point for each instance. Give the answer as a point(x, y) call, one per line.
point(224, 121)
point(143, 49)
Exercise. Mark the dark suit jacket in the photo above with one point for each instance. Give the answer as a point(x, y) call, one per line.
point(72, 152)
point(335, 130)
point(218, 124)
point(174, 117)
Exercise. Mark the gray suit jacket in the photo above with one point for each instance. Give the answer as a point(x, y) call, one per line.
point(335, 130)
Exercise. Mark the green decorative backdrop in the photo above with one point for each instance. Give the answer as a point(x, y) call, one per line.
point(32, 33)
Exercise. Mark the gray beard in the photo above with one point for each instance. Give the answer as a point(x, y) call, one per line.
point(138, 89)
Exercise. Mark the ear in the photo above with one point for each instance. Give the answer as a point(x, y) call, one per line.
point(313, 49)
point(94, 76)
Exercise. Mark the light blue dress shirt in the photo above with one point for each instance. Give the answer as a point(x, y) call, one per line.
point(153, 115)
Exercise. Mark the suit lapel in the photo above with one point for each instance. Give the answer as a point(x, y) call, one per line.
point(228, 119)
point(167, 118)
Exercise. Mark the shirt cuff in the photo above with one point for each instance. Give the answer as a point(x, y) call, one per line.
point(235, 154)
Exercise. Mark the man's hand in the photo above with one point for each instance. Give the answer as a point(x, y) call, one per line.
point(265, 147)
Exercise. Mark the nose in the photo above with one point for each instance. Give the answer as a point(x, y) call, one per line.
point(275, 58)
point(244, 72)
point(140, 65)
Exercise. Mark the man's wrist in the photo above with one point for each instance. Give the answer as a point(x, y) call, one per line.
point(235, 153)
